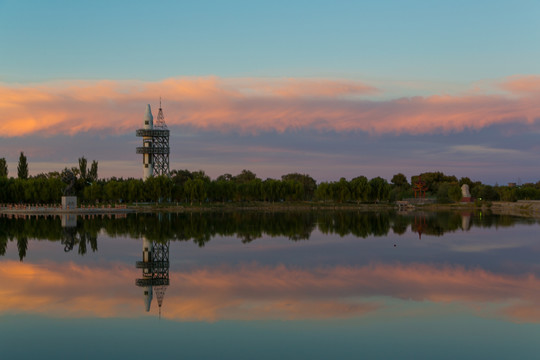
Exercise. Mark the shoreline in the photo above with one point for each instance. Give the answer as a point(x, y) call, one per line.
point(522, 208)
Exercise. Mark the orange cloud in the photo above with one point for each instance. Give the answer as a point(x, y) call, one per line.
point(265, 292)
point(522, 84)
point(254, 105)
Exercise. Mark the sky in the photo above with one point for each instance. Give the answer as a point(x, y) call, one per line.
point(327, 88)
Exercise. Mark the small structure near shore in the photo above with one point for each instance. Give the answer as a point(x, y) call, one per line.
point(404, 205)
point(466, 194)
point(69, 201)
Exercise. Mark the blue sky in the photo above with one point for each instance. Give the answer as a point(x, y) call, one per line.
point(461, 41)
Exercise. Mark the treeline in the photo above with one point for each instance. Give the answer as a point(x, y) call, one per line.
point(184, 186)
point(247, 226)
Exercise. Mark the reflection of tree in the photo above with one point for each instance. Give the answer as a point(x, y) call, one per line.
point(399, 225)
point(248, 226)
point(436, 224)
point(3, 241)
point(360, 224)
point(22, 246)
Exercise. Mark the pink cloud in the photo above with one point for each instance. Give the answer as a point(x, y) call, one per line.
point(253, 106)
point(524, 84)
point(253, 291)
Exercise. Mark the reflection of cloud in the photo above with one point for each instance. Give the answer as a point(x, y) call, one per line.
point(249, 106)
point(482, 248)
point(263, 292)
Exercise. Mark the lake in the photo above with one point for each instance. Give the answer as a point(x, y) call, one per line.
point(288, 285)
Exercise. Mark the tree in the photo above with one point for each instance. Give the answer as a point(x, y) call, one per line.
point(22, 168)
point(93, 173)
point(448, 192)
point(179, 177)
point(245, 176)
point(360, 188)
point(82, 167)
point(454, 193)
point(200, 175)
point(270, 189)
point(379, 189)
point(400, 180)
point(3, 168)
point(195, 190)
point(341, 190)
point(307, 181)
point(225, 177)
point(323, 191)
point(433, 179)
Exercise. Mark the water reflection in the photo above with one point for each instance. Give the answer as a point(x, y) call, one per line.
point(361, 278)
point(247, 226)
point(256, 292)
point(155, 271)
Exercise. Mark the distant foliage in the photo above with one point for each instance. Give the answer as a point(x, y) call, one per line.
point(197, 188)
point(22, 168)
point(3, 168)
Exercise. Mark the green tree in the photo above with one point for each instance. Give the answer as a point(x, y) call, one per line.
point(22, 168)
point(82, 167)
point(195, 190)
point(448, 192)
point(134, 190)
point(271, 190)
point(379, 189)
point(93, 173)
point(507, 193)
point(400, 180)
point(244, 177)
point(323, 192)
point(433, 179)
point(341, 190)
point(485, 192)
point(3, 168)
point(201, 175)
point(225, 177)
point(179, 177)
point(454, 193)
point(307, 182)
point(360, 188)
point(293, 190)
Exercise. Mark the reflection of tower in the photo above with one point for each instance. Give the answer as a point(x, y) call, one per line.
point(419, 224)
point(155, 271)
point(466, 221)
point(155, 147)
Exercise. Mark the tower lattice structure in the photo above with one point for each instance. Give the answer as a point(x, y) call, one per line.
point(155, 147)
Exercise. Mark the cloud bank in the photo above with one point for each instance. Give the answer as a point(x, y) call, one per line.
point(253, 292)
point(258, 105)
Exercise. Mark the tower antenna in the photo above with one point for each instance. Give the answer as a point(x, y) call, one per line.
point(160, 122)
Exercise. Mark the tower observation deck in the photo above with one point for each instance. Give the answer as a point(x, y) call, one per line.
point(155, 149)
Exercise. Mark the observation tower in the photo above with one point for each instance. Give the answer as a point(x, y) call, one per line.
point(155, 147)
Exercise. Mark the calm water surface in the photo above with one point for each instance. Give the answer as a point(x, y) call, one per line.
point(270, 285)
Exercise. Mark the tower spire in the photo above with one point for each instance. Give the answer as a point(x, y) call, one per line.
point(160, 122)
